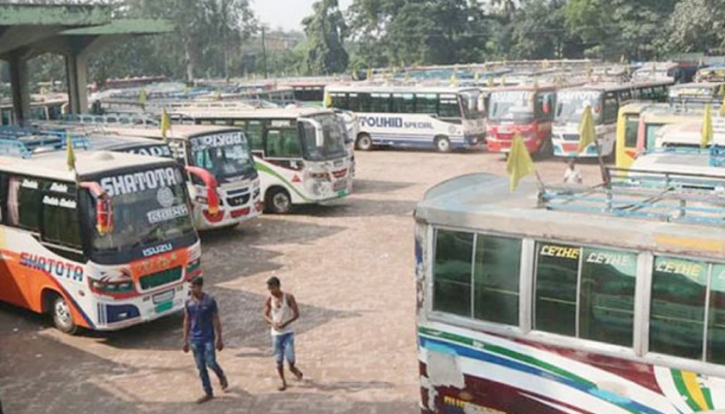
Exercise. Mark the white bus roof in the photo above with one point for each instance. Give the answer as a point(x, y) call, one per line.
point(54, 165)
point(689, 133)
point(263, 113)
point(398, 89)
point(678, 162)
point(183, 132)
point(484, 203)
point(609, 87)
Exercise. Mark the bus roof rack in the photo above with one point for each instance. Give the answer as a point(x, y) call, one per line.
point(654, 195)
point(25, 142)
point(122, 119)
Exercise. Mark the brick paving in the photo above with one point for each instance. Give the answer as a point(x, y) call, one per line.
point(350, 266)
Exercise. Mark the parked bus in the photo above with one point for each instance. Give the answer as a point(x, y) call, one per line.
point(711, 74)
point(526, 110)
point(696, 94)
point(687, 168)
point(300, 153)
point(605, 101)
point(105, 248)
point(673, 71)
point(519, 310)
point(223, 182)
point(45, 110)
point(444, 118)
point(688, 134)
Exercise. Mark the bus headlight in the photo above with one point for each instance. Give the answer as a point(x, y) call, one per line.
point(110, 288)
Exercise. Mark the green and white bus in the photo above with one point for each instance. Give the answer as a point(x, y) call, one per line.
point(571, 300)
point(300, 153)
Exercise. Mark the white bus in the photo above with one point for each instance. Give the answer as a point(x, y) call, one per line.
point(605, 101)
point(444, 118)
point(561, 304)
point(300, 153)
point(103, 248)
point(221, 174)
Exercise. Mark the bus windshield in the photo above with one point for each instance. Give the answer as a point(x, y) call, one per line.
point(333, 138)
point(515, 106)
point(472, 105)
point(571, 105)
point(149, 207)
point(224, 155)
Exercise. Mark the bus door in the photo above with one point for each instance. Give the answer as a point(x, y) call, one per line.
point(282, 144)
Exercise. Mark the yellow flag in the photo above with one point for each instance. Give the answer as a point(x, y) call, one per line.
point(142, 96)
point(69, 150)
point(454, 79)
point(587, 133)
point(706, 128)
point(476, 77)
point(519, 163)
point(328, 100)
point(490, 82)
point(369, 75)
point(721, 92)
point(165, 124)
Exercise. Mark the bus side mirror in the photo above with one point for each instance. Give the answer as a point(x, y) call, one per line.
point(104, 207)
point(211, 187)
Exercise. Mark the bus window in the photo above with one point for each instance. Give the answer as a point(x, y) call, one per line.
point(339, 100)
point(283, 143)
point(448, 107)
point(557, 267)
point(7, 116)
point(403, 103)
point(677, 309)
point(24, 192)
point(611, 108)
point(631, 127)
point(606, 299)
point(426, 104)
point(380, 103)
point(38, 113)
point(60, 223)
point(545, 103)
point(364, 102)
point(716, 316)
point(651, 135)
point(255, 132)
point(496, 280)
point(452, 272)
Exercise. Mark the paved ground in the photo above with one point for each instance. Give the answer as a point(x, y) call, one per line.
point(351, 268)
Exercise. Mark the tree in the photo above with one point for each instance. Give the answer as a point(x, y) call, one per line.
point(697, 26)
point(326, 31)
point(539, 31)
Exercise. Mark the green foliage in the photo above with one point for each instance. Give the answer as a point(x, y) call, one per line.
point(326, 31)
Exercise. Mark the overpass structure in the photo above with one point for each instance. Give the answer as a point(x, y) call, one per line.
point(74, 31)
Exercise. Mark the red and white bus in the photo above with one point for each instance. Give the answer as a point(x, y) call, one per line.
point(526, 110)
point(103, 248)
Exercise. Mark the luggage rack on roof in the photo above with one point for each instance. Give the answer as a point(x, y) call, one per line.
point(25, 142)
point(716, 153)
point(669, 197)
point(113, 119)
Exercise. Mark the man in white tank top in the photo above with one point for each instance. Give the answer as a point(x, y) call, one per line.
point(280, 310)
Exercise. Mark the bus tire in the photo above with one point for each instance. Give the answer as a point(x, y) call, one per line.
point(278, 201)
point(443, 144)
point(364, 142)
point(62, 316)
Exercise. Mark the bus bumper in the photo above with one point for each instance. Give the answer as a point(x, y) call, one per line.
point(570, 150)
point(504, 145)
point(115, 315)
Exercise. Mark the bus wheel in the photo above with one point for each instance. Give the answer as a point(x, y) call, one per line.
point(364, 142)
point(62, 317)
point(279, 201)
point(443, 144)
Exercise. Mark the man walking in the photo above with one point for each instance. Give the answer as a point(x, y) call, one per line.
point(280, 310)
point(203, 334)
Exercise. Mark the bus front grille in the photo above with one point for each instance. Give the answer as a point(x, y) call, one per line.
point(162, 278)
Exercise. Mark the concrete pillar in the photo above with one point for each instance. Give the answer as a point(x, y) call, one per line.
point(20, 87)
point(76, 65)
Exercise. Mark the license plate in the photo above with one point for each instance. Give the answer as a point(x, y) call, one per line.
point(164, 307)
point(163, 297)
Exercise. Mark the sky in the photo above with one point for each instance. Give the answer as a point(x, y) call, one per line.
point(286, 13)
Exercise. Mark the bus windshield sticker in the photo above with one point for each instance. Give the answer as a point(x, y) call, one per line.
point(161, 151)
point(578, 96)
point(59, 202)
point(216, 141)
point(141, 181)
point(32, 184)
point(513, 96)
point(695, 271)
point(281, 124)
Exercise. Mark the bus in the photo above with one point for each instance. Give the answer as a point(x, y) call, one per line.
point(445, 118)
point(688, 168)
point(222, 178)
point(696, 94)
point(42, 110)
point(104, 248)
point(605, 100)
point(673, 71)
point(300, 153)
point(521, 311)
point(688, 134)
point(527, 110)
point(711, 74)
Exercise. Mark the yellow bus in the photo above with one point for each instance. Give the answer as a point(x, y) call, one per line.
point(638, 124)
